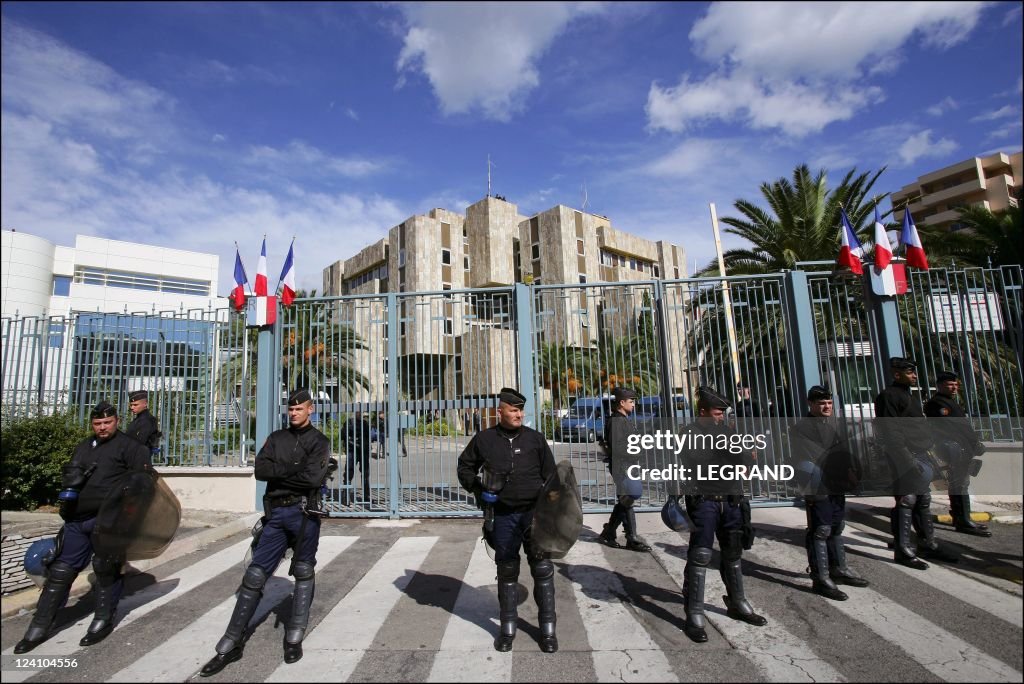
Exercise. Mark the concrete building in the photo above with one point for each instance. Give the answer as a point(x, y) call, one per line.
point(463, 343)
point(991, 182)
point(41, 278)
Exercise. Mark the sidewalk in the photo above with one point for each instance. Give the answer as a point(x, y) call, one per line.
point(198, 529)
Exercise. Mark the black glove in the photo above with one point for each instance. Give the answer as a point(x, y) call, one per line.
point(979, 449)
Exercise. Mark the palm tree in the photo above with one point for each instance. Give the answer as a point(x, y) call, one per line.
point(802, 224)
point(995, 236)
point(565, 371)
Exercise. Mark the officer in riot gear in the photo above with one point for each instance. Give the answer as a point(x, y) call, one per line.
point(715, 508)
point(144, 426)
point(617, 430)
point(817, 440)
point(906, 442)
point(958, 444)
point(294, 463)
point(521, 460)
point(97, 467)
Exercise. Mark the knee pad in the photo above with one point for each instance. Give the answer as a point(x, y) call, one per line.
point(302, 570)
point(626, 501)
point(542, 569)
point(907, 501)
point(838, 527)
point(700, 555)
point(822, 532)
point(60, 572)
point(105, 566)
point(924, 501)
point(254, 578)
point(508, 571)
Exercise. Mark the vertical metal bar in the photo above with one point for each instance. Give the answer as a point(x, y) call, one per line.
point(524, 325)
point(394, 482)
point(267, 373)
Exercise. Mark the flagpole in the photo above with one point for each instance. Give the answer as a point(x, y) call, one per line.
point(730, 326)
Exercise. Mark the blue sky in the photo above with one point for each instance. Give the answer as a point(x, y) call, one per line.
point(193, 125)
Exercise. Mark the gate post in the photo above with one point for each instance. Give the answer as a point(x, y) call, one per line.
point(802, 335)
point(884, 322)
point(524, 327)
point(660, 315)
point(267, 399)
point(394, 472)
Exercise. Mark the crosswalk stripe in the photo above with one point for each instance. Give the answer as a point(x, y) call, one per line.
point(778, 654)
point(945, 655)
point(186, 651)
point(622, 649)
point(139, 604)
point(335, 647)
point(467, 651)
point(1001, 604)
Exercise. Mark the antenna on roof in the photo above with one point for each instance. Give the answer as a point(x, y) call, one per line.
point(585, 200)
point(489, 165)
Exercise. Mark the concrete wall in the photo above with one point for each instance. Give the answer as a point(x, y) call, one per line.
point(26, 267)
point(1002, 472)
point(211, 488)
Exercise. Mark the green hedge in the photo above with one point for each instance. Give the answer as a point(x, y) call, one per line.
point(33, 451)
point(437, 428)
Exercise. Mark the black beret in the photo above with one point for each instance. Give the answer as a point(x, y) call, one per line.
point(137, 395)
point(819, 392)
point(900, 363)
point(623, 393)
point(299, 396)
point(104, 409)
point(947, 376)
point(511, 397)
point(708, 397)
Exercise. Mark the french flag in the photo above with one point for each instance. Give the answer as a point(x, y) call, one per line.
point(261, 272)
point(241, 280)
point(883, 250)
point(288, 277)
point(850, 250)
point(912, 242)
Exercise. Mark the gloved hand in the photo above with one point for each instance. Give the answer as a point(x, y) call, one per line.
point(979, 449)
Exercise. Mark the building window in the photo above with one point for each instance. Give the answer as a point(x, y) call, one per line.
point(449, 326)
point(465, 262)
point(104, 277)
point(583, 278)
point(61, 286)
point(535, 251)
point(677, 273)
point(581, 249)
point(657, 271)
point(446, 257)
point(401, 257)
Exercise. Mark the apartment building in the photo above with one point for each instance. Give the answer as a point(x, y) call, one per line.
point(992, 182)
point(465, 340)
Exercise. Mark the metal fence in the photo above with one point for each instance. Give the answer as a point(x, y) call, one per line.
point(194, 364)
point(403, 380)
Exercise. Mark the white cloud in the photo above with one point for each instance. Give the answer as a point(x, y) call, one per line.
point(351, 113)
point(795, 66)
point(1009, 111)
point(299, 158)
point(947, 104)
point(1012, 15)
point(921, 146)
point(483, 55)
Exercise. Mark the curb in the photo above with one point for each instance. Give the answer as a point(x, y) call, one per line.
point(976, 516)
point(25, 600)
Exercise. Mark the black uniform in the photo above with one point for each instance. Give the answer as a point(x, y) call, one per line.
point(906, 442)
point(819, 441)
point(95, 471)
point(522, 461)
point(294, 462)
point(716, 507)
point(146, 429)
point(958, 443)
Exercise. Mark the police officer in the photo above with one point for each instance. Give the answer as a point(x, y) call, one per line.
point(95, 471)
point(293, 463)
point(617, 430)
point(716, 508)
point(959, 443)
point(906, 442)
point(816, 439)
point(144, 426)
point(513, 461)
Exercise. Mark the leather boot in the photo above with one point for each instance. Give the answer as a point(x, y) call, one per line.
point(302, 599)
point(55, 593)
point(634, 542)
point(693, 593)
point(823, 583)
point(960, 505)
point(838, 570)
point(927, 545)
point(903, 552)
point(543, 572)
point(508, 604)
point(610, 529)
point(738, 608)
point(229, 648)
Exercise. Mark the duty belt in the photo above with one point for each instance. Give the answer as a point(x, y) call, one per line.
point(284, 500)
point(730, 498)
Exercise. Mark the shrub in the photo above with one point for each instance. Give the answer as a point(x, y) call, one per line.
point(32, 453)
point(437, 427)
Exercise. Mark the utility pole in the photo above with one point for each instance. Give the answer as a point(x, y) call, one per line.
point(730, 326)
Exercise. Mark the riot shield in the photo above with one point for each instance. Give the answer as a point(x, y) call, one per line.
point(558, 517)
point(138, 519)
